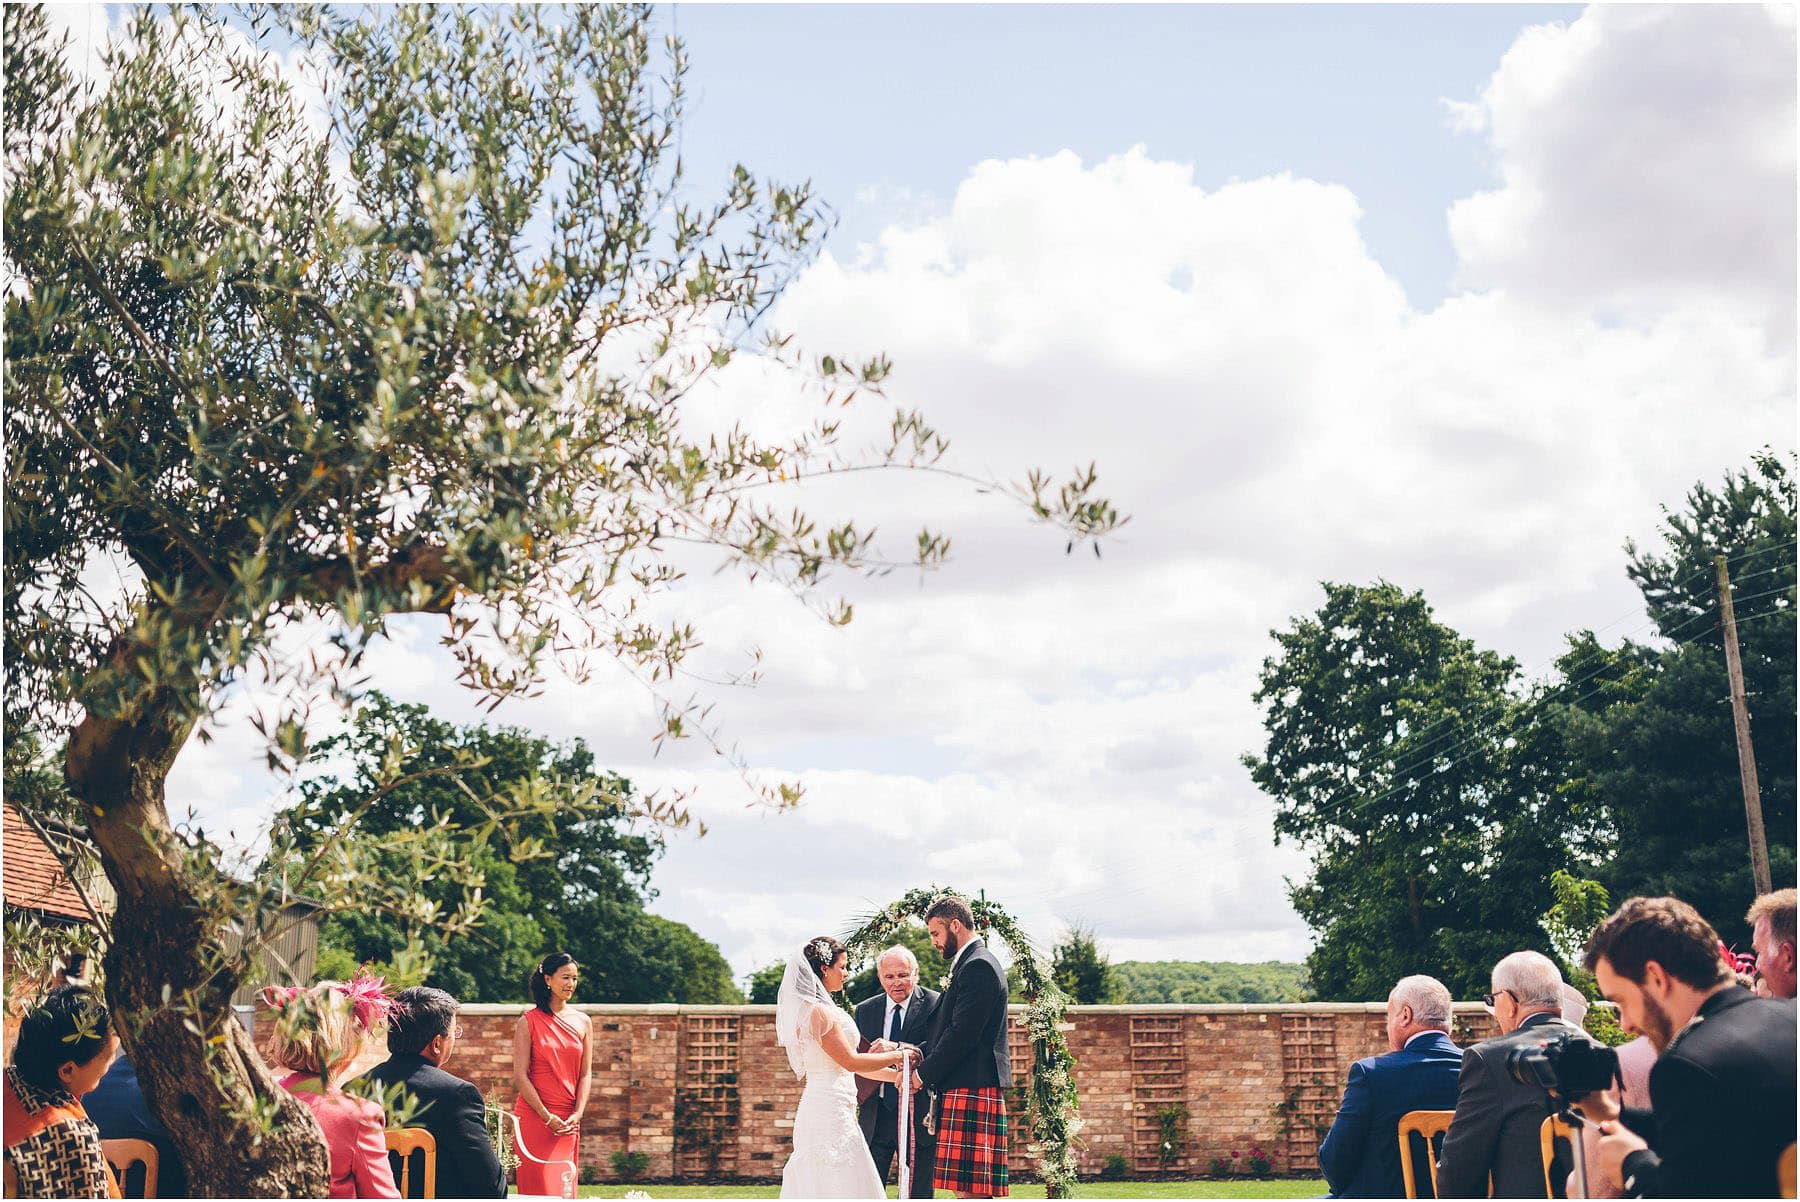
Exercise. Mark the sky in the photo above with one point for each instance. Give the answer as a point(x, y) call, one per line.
point(1455, 297)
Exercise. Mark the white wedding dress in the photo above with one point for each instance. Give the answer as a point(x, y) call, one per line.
point(830, 1159)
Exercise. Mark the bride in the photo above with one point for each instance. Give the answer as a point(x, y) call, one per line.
point(830, 1159)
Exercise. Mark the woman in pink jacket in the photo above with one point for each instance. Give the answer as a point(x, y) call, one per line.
point(319, 1033)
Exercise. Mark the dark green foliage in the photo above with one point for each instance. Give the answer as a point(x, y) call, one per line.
point(1082, 971)
point(1116, 1168)
point(764, 984)
point(584, 894)
point(629, 1166)
point(1430, 830)
point(1197, 982)
point(1663, 759)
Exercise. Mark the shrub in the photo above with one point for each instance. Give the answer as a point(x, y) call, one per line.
point(1219, 1167)
point(1116, 1168)
point(1260, 1163)
point(629, 1166)
point(1171, 1122)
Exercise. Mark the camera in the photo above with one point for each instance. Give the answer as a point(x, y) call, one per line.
point(1567, 1064)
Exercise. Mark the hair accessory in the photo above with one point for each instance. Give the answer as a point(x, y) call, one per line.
point(1737, 961)
point(369, 1000)
point(277, 996)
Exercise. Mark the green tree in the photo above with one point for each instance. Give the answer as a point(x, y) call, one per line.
point(1202, 982)
point(1657, 746)
point(281, 389)
point(1082, 970)
point(1389, 760)
point(764, 985)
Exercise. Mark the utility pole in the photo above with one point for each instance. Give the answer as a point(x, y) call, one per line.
point(1740, 716)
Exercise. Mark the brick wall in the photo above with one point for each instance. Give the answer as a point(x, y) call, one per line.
point(1268, 1076)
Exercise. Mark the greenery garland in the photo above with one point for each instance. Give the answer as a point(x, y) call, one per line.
point(1053, 1107)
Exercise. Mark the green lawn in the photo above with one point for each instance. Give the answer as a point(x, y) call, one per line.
point(1294, 1188)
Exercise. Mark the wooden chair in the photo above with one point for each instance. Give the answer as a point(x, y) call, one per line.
point(1430, 1126)
point(402, 1142)
point(123, 1155)
point(1784, 1172)
point(1551, 1130)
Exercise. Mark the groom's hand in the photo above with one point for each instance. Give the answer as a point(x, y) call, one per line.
point(917, 1084)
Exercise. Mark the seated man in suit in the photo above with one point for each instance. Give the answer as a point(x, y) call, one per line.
point(900, 1013)
point(1361, 1155)
point(422, 1032)
point(1495, 1131)
point(1722, 1087)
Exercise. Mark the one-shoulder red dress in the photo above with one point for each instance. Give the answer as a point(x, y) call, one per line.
point(546, 1159)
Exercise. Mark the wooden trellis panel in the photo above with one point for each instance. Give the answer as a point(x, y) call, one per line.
point(1018, 1116)
point(1309, 1077)
point(706, 1099)
point(1158, 1080)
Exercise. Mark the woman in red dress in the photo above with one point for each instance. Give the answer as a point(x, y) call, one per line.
point(553, 1056)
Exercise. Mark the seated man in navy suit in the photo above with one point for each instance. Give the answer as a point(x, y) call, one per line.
point(1361, 1155)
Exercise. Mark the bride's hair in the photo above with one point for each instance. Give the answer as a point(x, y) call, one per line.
point(822, 953)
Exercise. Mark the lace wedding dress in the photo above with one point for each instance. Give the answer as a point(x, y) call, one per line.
point(830, 1159)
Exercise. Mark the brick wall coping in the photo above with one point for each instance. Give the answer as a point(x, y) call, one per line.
point(674, 1010)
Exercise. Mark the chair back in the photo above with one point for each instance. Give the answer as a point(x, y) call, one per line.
point(403, 1143)
point(1429, 1126)
point(1784, 1171)
point(124, 1155)
point(1550, 1131)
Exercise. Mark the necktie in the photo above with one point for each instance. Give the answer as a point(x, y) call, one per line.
point(888, 1092)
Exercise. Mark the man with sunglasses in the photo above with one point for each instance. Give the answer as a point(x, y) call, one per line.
point(1495, 1131)
point(422, 1032)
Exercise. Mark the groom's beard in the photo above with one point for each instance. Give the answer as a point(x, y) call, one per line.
point(951, 947)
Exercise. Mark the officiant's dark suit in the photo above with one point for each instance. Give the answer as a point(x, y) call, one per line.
point(879, 1109)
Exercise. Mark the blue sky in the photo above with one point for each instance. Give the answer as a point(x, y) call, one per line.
point(1453, 297)
point(910, 97)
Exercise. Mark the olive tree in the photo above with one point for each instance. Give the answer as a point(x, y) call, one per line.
point(277, 373)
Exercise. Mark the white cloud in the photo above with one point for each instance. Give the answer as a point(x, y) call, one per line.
point(1646, 155)
point(1064, 732)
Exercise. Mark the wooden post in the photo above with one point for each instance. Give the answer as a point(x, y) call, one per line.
point(1740, 717)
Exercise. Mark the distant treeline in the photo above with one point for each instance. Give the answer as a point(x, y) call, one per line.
point(1145, 982)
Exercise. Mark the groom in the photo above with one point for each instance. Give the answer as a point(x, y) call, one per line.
point(967, 1063)
point(901, 1013)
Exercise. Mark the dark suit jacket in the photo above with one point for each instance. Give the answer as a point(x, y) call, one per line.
point(968, 1037)
point(451, 1109)
point(1497, 1120)
point(118, 1108)
point(1723, 1099)
point(921, 1008)
point(1361, 1155)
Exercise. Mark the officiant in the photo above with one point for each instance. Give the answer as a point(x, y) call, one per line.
point(902, 1013)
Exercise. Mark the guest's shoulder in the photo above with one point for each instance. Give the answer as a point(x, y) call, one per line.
point(931, 995)
point(869, 1003)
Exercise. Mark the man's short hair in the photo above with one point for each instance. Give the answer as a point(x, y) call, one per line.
point(1429, 1000)
point(1532, 978)
point(1575, 1005)
point(950, 907)
point(1666, 930)
point(1778, 908)
point(902, 951)
point(420, 1015)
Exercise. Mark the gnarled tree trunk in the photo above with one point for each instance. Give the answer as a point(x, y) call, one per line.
point(199, 1081)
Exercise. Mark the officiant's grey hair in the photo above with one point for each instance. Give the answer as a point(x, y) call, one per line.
point(904, 953)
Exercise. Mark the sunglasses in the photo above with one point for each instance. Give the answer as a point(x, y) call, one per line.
point(1487, 999)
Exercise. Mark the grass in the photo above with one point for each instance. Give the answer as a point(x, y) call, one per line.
point(1300, 1187)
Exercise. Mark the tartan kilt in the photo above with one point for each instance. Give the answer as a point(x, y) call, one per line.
point(971, 1143)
